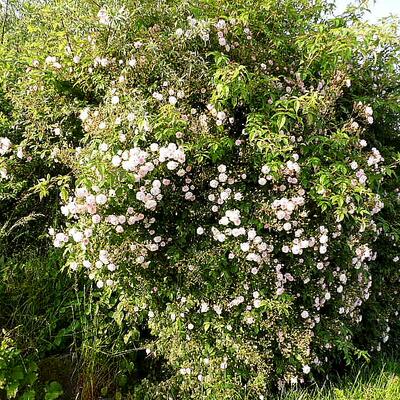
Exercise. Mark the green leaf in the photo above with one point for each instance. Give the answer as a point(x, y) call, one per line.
point(281, 121)
point(296, 105)
point(12, 389)
point(29, 395)
point(17, 373)
point(53, 391)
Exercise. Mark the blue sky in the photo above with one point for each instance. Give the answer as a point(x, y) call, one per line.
point(379, 8)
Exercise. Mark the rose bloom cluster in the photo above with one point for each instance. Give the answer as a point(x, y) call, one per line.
point(137, 164)
point(5, 144)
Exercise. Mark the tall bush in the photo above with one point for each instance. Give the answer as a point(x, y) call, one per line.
point(233, 182)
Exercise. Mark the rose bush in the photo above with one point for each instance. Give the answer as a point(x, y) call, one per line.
point(233, 187)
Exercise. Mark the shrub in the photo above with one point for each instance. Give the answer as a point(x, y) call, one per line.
point(16, 377)
point(229, 162)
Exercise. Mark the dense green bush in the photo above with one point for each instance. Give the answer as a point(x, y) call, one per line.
point(227, 172)
point(15, 376)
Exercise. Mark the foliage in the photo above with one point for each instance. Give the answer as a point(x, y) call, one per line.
point(227, 173)
point(16, 377)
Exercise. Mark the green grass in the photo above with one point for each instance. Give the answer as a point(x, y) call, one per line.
point(36, 301)
point(380, 381)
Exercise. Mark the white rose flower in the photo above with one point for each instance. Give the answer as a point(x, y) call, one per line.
point(101, 199)
point(116, 161)
point(5, 144)
point(103, 147)
point(306, 369)
point(179, 32)
point(172, 100)
point(200, 230)
point(304, 314)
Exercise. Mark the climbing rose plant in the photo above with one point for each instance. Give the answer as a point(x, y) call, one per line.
point(231, 165)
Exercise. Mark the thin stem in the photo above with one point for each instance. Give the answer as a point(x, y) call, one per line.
point(3, 31)
point(67, 37)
